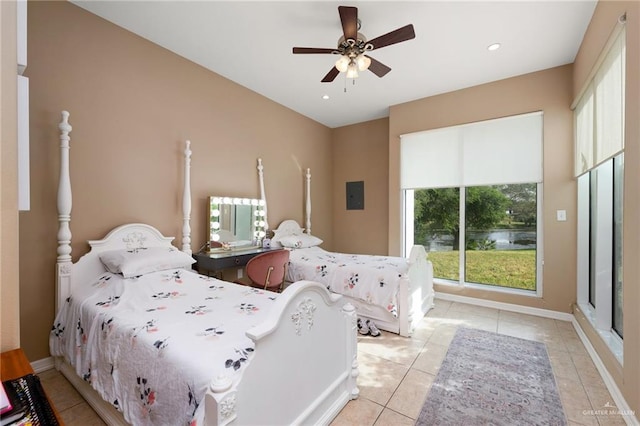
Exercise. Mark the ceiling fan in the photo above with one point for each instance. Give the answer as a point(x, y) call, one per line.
point(353, 45)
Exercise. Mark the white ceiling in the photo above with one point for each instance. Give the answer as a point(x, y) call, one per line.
point(250, 43)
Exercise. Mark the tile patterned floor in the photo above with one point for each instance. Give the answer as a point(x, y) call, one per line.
point(396, 373)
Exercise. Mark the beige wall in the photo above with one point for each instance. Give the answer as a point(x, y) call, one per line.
point(604, 19)
point(129, 98)
point(9, 283)
point(132, 105)
point(360, 153)
point(548, 91)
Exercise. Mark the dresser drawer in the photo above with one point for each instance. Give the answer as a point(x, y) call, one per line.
point(231, 261)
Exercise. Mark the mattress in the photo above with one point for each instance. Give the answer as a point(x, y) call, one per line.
point(151, 345)
point(370, 278)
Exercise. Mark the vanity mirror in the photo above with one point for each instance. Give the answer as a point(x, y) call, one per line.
point(237, 222)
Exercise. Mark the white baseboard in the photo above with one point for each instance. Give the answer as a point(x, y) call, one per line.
point(628, 415)
point(546, 313)
point(42, 365)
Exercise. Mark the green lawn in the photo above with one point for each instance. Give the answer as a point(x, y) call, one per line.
point(506, 268)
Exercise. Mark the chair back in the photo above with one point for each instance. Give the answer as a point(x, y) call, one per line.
point(267, 270)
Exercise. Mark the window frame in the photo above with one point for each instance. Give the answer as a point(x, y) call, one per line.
point(600, 314)
point(618, 233)
point(408, 196)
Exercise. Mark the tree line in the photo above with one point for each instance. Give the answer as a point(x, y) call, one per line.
point(436, 211)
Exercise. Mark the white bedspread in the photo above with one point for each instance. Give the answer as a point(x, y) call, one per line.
point(151, 345)
point(373, 279)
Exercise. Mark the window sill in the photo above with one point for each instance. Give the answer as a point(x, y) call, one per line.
point(486, 287)
point(609, 337)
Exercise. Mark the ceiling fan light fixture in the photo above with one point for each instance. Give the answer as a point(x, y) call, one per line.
point(352, 70)
point(343, 63)
point(363, 62)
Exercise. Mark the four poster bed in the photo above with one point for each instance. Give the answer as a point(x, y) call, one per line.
point(145, 340)
point(394, 292)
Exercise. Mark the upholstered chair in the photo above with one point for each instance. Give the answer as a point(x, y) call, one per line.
point(268, 270)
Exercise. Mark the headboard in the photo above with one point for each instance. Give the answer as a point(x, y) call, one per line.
point(70, 276)
point(288, 227)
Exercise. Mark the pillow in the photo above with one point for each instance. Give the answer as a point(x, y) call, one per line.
point(300, 241)
point(287, 228)
point(131, 263)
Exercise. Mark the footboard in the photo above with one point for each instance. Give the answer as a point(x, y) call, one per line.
point(304, 368)
point(416, 291)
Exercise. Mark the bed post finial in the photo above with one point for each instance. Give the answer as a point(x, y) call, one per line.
point(263, 196)
point(308, 204)
point(186, 200)
point(64, 192)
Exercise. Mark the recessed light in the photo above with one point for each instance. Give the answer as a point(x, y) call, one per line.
point(494, 46)
point(325, 96)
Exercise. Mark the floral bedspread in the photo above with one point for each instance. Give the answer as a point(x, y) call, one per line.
point(150, 345)
point(373, 279)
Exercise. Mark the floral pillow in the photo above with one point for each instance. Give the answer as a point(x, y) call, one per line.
point(140, 261)
point(300, 241)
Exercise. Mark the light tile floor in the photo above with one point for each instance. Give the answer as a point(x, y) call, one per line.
point(396, 373)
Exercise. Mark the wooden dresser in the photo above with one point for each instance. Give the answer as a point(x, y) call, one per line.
point(14, 364)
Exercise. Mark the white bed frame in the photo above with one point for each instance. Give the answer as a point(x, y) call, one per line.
point(310, 330)
point(415, 292)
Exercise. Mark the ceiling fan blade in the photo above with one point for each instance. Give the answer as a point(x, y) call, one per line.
point(349, 19)
point(331, 75)
point(377, 67)
point(401, 34)
point(312, 50)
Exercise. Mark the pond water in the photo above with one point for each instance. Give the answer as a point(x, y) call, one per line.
point(506, 239)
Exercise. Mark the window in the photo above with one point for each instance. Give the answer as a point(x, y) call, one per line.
point(599, 167)
point(501, 235)
point(472, 196)
point(436, 217)
point(593, 227)
point(618, 179)
point(496, 241)
point(602, 201)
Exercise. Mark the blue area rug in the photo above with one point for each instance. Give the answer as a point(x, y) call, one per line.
point(492, 379)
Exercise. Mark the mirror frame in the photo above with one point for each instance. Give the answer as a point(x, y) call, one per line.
point(258, 211)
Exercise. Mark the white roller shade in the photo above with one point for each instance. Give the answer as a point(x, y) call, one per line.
point(432, 156)
point(599, 114)
point(609, 107)
point(584, 133)
point(504, 150)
